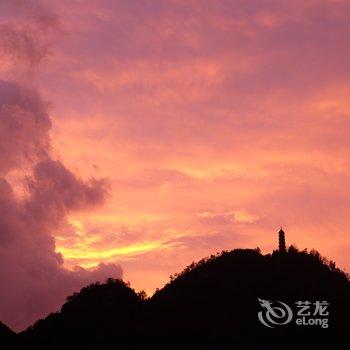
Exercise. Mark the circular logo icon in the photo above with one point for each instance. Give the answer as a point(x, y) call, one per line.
point(274, 313)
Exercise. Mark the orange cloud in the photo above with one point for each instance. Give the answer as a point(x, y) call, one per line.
point(214, 124)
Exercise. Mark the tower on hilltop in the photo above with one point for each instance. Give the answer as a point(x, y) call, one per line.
point(281, 241)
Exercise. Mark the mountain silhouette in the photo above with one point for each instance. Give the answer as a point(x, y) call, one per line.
point(213, 303)
point(7, 336)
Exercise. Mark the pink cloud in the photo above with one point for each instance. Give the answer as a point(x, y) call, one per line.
point(228, 107)
point(34, 279)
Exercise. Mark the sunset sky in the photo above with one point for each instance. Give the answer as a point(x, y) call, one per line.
point(139, 136)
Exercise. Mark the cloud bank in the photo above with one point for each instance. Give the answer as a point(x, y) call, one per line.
point(33, 279)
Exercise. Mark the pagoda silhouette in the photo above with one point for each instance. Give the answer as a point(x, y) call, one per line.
point(281, 241)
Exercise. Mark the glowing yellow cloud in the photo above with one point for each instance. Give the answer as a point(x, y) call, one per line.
point(78, 253)
point(82, 251)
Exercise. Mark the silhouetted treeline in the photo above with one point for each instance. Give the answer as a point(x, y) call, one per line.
point(210, 304)
point(7, 336)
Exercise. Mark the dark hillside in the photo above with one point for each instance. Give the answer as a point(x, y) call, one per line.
point(211, 304)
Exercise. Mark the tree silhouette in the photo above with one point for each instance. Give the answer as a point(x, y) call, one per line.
point(210, 304)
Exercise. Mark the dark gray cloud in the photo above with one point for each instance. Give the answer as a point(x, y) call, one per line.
point(33, 279)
